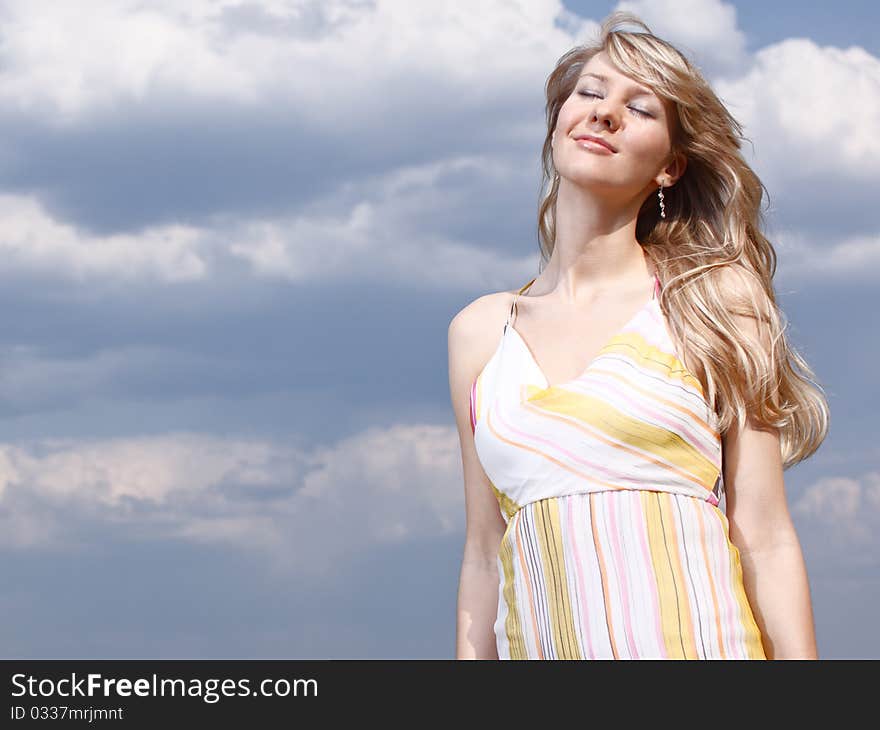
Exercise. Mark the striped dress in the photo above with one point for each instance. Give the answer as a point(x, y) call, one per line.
point(615, 545)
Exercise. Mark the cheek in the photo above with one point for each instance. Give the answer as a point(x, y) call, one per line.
point(649, 142)
point(566, 116)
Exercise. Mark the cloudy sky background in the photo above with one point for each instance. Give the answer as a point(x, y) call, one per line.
point(232, 237)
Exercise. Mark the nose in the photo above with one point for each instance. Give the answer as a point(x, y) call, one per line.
point(603, 113)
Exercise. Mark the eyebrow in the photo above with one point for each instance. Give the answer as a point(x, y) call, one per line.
point(639, 90)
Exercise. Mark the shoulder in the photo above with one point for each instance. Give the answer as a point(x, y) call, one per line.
point(474, 327)
point(474, 334)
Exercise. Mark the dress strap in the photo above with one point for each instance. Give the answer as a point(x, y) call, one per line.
point(513, 304)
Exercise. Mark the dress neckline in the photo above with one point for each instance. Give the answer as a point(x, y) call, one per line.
point(510, 326)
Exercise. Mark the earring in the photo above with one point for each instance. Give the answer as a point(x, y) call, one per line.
point(660, 195)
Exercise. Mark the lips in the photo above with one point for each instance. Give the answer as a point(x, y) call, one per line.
point(598, 140)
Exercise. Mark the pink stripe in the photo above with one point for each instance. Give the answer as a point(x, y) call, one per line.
point(549, 444)
point(552, 446)
point(710, 590)
point(648, 563)
point(729, 610)
point(473, 405)
point(619, 560)
point(696, 438)
point(579, 575)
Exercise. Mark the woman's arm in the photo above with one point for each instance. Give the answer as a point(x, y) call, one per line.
point(477, 606)
point(774, 573)
point(479, 582)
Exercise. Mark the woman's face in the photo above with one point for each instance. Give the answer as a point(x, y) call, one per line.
point(631, 118)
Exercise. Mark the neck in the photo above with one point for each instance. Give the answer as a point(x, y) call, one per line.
point(596, 251)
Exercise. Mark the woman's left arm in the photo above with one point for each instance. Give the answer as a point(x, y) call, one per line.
point(774, 572)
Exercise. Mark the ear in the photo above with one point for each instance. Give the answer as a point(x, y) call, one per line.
point(673, 171)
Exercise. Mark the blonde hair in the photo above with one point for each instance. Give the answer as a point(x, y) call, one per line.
point(713, 221)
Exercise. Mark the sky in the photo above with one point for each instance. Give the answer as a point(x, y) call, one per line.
point(232, 237)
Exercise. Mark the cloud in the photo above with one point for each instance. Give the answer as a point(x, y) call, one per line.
point(32, 242)
point(388, 229)
point(85, 58)
point(706, 30)
point(151, 121)
point(841, 515)
point(797, 103)
point(804, 256)
point(302, 510)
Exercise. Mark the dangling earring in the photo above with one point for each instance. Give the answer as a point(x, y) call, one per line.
point(660, 195)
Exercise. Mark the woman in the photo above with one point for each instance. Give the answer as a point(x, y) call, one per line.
point(608, 406)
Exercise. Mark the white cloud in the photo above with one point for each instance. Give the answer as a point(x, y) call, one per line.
point(383, 236)
point(303, 510)
point(88, 56)
point(706, 30)
point(32, 241)
point(803, 258)
point(812, 111)
point(376, 236)
point(842, 515)
point(84, 58)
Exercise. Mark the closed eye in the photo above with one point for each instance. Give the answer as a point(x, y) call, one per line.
point(633, 109)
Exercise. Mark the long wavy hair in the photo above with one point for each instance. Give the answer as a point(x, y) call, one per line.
point(713, 220)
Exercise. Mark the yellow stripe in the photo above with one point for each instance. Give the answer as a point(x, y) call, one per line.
point(665, 403)
point(512, 623)
point(560, 464)
point(508, 507)
point(754, 646)
point(549, 533)
point(600, 414)
point(664, 575)
point(527, 580)
point(719, 630)
point(652, 358)
point(670, 522)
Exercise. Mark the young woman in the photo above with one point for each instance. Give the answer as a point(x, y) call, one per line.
point(607, 407)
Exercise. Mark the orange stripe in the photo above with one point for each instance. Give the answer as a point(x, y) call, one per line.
point(752, 638)
point(719, 632)
point(517, 445)
point(582, 426)
point(682, 579)
point(528, 581)
point(668, 404)
point(602, 574)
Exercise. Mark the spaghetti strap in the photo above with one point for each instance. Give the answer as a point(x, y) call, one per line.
point(513, 304)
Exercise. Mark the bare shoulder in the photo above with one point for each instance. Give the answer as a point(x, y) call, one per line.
point(474, 333)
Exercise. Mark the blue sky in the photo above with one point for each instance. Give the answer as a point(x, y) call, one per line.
point(232, 237)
